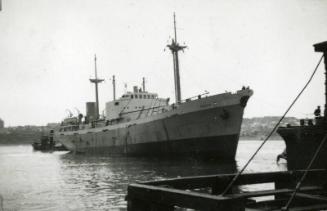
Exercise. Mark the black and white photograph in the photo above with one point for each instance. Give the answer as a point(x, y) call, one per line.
point(165, 105)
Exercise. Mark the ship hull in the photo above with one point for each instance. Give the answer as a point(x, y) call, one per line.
point(204, 129)
point(301, 144)
point(223, 147)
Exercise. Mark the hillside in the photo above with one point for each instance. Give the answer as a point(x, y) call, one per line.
point(252, 129)
point(22, 134)
point(259, 127)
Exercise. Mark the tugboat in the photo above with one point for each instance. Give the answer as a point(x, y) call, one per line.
point(304, 141)
point(48, 144)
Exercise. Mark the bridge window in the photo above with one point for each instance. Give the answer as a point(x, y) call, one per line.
point(136, 96)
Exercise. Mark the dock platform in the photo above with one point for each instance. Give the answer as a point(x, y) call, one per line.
point(204, 192)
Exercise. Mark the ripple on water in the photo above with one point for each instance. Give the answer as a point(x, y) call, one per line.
point(59, 181)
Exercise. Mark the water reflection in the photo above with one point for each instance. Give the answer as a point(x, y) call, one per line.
point(105, 179)
point(32, 180)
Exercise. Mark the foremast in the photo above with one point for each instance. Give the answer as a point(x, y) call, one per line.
point(96, 81)
point(175, 48)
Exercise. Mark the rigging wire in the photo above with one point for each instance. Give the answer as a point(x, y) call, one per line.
point(272, 131)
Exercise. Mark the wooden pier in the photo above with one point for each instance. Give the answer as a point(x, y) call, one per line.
point(204, 192)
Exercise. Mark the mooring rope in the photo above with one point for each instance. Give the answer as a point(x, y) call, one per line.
point(298, 185)
point(273, 130)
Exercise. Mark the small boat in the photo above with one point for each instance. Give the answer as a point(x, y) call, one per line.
point(48, 144)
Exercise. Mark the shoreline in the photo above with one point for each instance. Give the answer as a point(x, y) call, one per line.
point(6, 142)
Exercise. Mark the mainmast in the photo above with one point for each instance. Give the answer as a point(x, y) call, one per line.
point(96, 81)
point(174, 48)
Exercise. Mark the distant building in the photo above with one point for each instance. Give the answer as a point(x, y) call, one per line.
point(52, 125)
point(2, 124)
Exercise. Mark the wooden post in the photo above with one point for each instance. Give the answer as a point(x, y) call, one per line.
point(162, 207)
point(140, 205)
point(219, 185)
point(137, 205)
point(282, 183)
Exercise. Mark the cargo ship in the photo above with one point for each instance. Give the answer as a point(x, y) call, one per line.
point(140, 123)
point(307, 140)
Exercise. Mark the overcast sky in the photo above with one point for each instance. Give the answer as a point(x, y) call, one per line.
point(47, 49)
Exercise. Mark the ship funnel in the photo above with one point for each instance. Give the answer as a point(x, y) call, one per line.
point(91, 111)
point(143, 84)
point(322, 47)
point(135, 89)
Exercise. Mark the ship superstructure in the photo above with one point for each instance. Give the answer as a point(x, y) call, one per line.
point(142, 123)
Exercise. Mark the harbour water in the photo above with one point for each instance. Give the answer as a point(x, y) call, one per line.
point(32, 180)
